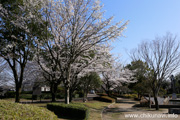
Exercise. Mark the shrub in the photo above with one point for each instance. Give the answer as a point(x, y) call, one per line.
point(60, 95)
point(16, 111)
point(102, 94)
point(73, 110)
point(105, 99)
point(34, 97)
point(130, 95)
point(46, 95)
point(46, 92)
point(26, 96)
point(26, 92)
point(78, 94)
point(10, 94)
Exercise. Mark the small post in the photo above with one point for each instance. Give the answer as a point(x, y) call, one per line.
point(149, 100)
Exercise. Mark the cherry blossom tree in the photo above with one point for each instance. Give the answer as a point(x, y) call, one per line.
point(76, 28)
point(94, 63)
point(6, 78)
point(115, 76)
point(5, 73)
point(33, 73)
point(2, 64)
point(51, 73)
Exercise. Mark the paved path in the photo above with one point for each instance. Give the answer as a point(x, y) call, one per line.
point(160, 100)
point(126, 106)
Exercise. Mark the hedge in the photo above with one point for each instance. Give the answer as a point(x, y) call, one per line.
point(26, 96)
point(102, 94)
point(17, 111)
point(130, 95)
point(72, 110)
point(126, 95)
point(105, 99)
point(10, 94)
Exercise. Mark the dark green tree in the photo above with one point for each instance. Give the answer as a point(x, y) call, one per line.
point(18, 32)
point(90, 81)
point(142, 73)
point(177, 78)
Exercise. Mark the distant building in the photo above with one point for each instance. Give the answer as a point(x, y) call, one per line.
point(28, 86)
point(45, 88)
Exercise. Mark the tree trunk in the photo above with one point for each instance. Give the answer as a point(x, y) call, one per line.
point(156, 100)
point(19, 83)
point(53, 92)
point(85, 96)
point(67, 85)
point(70, 95)
point(67, 95)
point(108, 92)
point(53, 97)
point(18, 91)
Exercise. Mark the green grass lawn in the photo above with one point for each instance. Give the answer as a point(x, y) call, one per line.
point(96, 107)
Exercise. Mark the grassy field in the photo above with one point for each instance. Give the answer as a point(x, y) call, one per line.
point(96, 107)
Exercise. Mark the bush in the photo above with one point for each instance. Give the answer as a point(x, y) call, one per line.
point(10, 94)
point(78, 94)
point(130, 95)
point(73, 110)
point(26, 96)
point(34, 97)
point(102, 94)
point(46, 95)
point(26, 92)
point(16, 111)
point(60, 96)
point(105, 99)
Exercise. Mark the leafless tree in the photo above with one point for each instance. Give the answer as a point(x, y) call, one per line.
point(163, 58)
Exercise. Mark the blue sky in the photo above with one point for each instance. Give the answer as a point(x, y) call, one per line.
point(148, 18)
